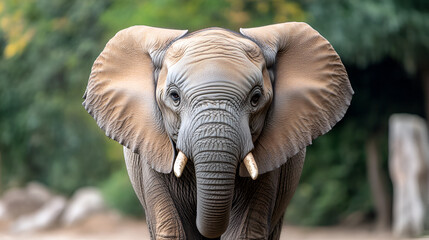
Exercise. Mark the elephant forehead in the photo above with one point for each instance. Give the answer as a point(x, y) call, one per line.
point(214, 43)
point(215, 61)
point(215, 76)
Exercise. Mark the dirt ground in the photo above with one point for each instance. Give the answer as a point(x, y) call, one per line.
point(113, 227)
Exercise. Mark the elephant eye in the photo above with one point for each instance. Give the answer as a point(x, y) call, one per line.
point(255, 99)
point(175, 96)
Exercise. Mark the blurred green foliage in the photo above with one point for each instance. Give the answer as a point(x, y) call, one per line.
point(333, 182)
point(47, 49)
point(197, 14)
point(120, 195)
point(367, 31)
point(45, 134)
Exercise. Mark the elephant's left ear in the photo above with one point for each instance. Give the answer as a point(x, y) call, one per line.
point(121, 93)
point(311, 90)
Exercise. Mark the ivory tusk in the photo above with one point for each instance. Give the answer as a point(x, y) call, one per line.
point(180, 164)
point(252, 168)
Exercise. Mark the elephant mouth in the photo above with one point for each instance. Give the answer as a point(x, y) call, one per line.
point(249, 162)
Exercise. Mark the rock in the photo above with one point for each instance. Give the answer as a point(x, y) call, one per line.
point(17, 202)
point(85, 202)
point(43, 218)
point(409, 170)
point(2, 211)
point(38, 192)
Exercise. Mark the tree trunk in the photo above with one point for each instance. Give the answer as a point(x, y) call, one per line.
point(425, 80)
point(409, 169)
point(1, 187)
point(377, 182)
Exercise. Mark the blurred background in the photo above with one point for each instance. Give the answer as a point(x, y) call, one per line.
point(47, 49)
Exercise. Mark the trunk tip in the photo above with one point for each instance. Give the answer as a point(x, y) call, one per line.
point(210, 233)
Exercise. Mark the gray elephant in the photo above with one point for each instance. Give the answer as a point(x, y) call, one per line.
point(237, 105)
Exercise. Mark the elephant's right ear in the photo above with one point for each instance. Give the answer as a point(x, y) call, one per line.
point(121, 92)
point(311, 90)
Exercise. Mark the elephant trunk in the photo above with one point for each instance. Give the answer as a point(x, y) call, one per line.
point(215, 175)
point(216, 149)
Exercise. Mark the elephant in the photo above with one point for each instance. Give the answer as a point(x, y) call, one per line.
point(215, 123)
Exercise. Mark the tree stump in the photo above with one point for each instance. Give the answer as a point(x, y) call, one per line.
point(376, 178)
point(409, 168)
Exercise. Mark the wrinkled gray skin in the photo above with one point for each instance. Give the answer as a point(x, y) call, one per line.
point(214, 101)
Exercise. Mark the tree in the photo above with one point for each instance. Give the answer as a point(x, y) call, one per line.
point(47, 52)
point(366, 32)
point(198, 14)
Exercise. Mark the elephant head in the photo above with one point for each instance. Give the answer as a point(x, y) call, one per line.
point(231, 103)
